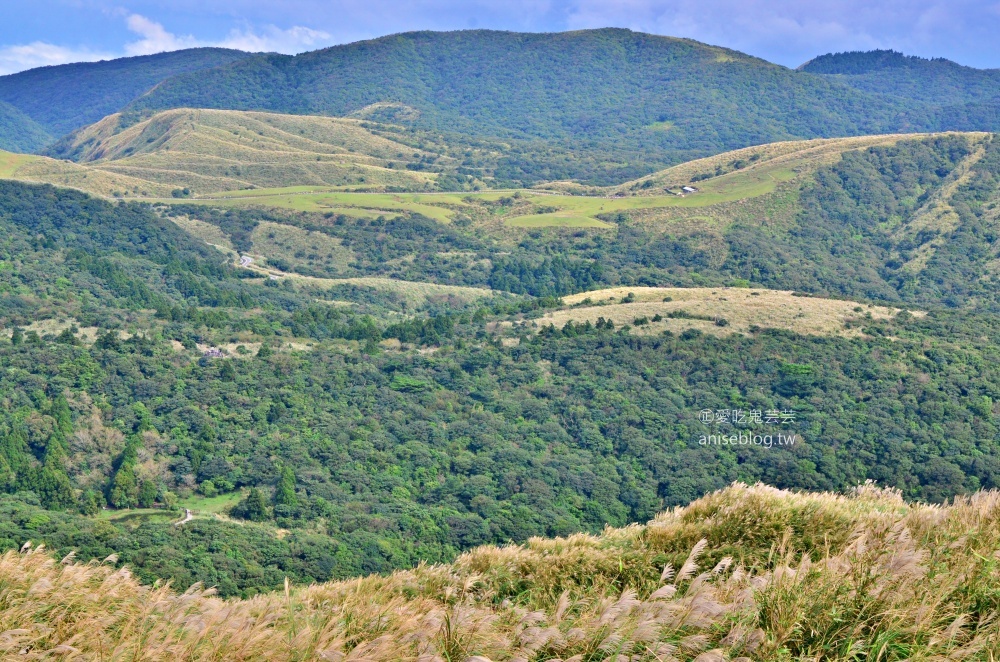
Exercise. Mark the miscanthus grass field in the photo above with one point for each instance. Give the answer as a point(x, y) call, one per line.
point(746, 573)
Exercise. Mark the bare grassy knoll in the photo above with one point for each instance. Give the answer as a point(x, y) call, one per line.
point(755, 185)
point(747, 573)
point(11, 162)
point(42, 169)
point(719, 310)
point(760, 166)
point(208, 151)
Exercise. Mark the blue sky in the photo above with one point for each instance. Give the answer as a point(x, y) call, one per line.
point(39, 32)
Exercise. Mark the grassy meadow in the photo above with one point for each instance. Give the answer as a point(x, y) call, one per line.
point(718, 311)
point(10, 163)
point(235, 159)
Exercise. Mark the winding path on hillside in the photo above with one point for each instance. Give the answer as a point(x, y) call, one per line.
point(187, 517)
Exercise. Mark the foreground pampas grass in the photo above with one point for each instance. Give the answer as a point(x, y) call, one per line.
point(748, 573)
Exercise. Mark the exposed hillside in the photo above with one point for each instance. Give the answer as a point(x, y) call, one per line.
point(748, 573)
point(882, 217)
point(642, 99)
point(601, 106)
point(209, 151)
point(65, 97)
point(18, 132)
point(905, 219)
point(753, 170)
point(719, 311)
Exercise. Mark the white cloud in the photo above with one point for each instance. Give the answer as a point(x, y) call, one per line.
point(292, 40)
point(41, 54)
point(154, 38)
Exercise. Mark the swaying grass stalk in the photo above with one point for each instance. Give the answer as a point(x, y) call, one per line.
point(764, 575)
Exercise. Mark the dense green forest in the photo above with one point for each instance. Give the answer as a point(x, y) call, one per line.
point(348, 430)
point(66, 97)
point(20, 133)
point(950, 95)
point(935, 81)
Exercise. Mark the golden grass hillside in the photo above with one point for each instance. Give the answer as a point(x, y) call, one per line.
point(716, 310)
point(46, 170)
point(208, 151)
point(747, 573)
point(761, 164)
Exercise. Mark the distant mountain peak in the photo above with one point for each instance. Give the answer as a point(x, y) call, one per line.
point(865, 62)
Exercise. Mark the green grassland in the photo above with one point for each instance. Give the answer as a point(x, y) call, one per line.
point(202, 505)
point(10, 163)
point(571, 210)
point(757, 177)
point(310, 164)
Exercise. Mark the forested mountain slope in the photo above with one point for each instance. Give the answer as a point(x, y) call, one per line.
point(20, 133)
point(600, 106)
point(65, 97)
point(344, 390)
point(937, 81)
point(256, 345)
point(891, 218)
point(953, 96)
point(644, 99)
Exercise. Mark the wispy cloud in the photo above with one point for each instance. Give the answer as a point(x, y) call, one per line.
point(292, 40)
point(154, 38)
point(41, 54)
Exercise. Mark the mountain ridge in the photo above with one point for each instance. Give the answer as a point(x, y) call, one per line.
point(61, 98)
point(935, 81)
point(599, 106)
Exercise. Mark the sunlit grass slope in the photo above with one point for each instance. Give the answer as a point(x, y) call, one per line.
point(755, 169)
point(718, 310)
point(306, 164)
point(747, 573)
point(758, 181)
point(208, 151)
